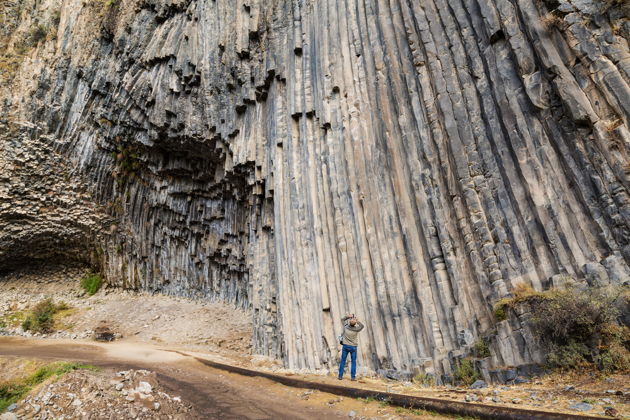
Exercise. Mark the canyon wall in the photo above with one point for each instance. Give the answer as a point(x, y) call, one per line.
point(409, 161)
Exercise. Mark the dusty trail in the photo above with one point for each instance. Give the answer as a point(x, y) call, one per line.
point(215, 394)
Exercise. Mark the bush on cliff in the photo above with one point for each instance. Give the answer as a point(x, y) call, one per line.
point(578, 327)
point(465, 372)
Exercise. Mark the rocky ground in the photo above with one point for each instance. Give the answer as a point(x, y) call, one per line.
point(106, 394)
point(131, 316)
point(582, 393)
point(222, 333)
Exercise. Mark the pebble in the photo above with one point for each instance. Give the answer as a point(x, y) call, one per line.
point(611, 412)
point(351, 413)
point(144, 388)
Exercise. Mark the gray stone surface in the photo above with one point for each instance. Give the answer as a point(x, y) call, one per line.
point(582, 406)
point(409, 162)
point(478, 384)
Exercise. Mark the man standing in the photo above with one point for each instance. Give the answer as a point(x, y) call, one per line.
point(350, 340)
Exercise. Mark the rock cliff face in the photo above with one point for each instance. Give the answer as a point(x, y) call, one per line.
point(408, 161)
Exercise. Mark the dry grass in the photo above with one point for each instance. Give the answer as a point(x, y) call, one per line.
point(551, 21)
point(611, 125)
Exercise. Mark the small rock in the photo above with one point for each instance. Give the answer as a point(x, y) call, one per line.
point(12, 407)
point(351, 413)
point(611, 412)
point(478, 384)
point(608, 401)
point(8, 416)
point(144, 388)
point(611, 391)
point(516, 401)
point(156, 406)
point(119, 386)
point(471, 398)
point(581, 407)
point(570, 388)
point(496, 399)
point(36, 408)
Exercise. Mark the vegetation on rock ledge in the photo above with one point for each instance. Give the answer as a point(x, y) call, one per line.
point(578, 327)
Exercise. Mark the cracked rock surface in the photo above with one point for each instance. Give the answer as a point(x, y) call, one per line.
point(410, 162)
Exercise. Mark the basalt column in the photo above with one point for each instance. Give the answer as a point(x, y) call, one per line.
point(408, 161)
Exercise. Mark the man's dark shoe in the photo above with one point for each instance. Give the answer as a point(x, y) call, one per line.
point(339, 377)
point(353, 379)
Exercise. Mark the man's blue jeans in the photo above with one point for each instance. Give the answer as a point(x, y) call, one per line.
point(353, 354)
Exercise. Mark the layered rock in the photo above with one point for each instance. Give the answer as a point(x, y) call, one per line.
point(410, 162)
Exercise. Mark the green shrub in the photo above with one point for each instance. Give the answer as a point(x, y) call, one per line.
point(11, 393)
point(577, 327)
point(91, 283)
point(465, 372)
point(55, 369)
point(481, 348)
point(499, 312)
point(567, 356)
point(41, 318)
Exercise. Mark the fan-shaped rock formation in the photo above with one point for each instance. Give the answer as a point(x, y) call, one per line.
point(408, 161)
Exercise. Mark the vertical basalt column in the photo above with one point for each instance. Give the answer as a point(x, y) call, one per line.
point(407, 161)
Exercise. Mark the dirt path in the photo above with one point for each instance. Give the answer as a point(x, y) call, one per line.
point(213, 393)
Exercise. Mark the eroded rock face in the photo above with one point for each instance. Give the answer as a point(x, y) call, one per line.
point(409, 162)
